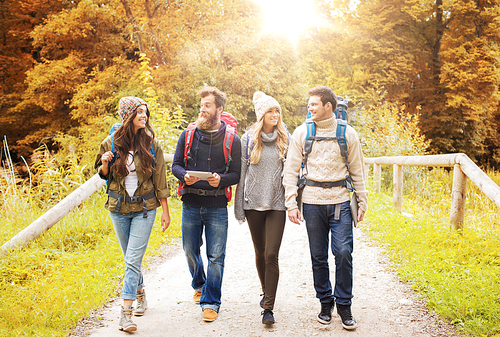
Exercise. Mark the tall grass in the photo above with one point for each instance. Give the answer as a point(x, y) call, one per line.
point(48, 286)
point(457, 271)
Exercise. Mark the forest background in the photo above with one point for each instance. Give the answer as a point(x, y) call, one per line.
point(421, 77)
point(65, 64)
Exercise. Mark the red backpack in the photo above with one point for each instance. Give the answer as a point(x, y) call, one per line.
point(231, 124)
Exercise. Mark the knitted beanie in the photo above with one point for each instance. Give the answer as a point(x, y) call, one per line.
point(262, 103)
point(128, 105)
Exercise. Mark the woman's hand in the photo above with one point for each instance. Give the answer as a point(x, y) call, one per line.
point(165, 220)
point(165, 217)
point(105, 159)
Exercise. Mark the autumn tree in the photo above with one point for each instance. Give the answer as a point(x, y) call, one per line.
point(87, 58)
point(470, 53)
point(17, 20)
point(437, 56)
point(240, 60)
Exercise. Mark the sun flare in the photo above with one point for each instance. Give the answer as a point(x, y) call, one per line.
point(289, 18)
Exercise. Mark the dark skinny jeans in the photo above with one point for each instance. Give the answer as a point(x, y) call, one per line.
point(267, 229)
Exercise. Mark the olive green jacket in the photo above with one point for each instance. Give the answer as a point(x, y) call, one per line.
point(145, 184)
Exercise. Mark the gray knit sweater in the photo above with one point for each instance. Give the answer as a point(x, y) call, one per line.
point(260, 187)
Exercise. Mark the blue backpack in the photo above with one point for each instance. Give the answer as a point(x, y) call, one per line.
point(127, 198)
point(341, 116)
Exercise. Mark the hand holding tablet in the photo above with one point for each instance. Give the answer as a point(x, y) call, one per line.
point(200, 174)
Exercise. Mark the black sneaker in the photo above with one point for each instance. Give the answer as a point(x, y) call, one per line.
point(325, 316)
point(262, 300)
point(348, 322)
point(267, 317)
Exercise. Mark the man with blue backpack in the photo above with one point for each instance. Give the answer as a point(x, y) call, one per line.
point(328, 153)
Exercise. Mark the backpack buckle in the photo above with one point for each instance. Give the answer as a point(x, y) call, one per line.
point(135, 199)
point(308, 145)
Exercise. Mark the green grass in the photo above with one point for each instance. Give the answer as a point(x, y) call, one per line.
point(75, 267)
point(48, 286)
point(457, 271)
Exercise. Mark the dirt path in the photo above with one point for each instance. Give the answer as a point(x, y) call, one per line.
point(382, 305)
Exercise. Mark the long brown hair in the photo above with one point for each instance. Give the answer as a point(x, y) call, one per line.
point(125, 139)
point(258, 144)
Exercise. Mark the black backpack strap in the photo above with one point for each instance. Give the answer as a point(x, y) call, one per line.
point(308, 143)
point(134, 199)
point(341, 138)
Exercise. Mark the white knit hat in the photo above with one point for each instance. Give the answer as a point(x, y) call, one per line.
point(262, 103)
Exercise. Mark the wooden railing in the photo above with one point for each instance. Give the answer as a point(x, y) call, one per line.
point(59, 211)
point(463, 167)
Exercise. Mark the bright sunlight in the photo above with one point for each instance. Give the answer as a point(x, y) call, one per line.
point(288, 17)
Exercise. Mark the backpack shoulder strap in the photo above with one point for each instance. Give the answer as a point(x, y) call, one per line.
point(112, 131)
point(341, 128)
point(228, 144)
point(341, 138)
point(249, 144)
point(310, 134)
point(188, 141)
point(116, 154)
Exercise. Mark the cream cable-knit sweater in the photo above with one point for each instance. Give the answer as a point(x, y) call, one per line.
point(325, 163)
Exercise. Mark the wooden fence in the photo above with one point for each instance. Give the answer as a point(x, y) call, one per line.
point(59, 211)
point(463, 167)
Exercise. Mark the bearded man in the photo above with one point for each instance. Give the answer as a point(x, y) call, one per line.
point(204, 200)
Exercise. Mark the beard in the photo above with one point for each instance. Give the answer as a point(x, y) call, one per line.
point(207, 122)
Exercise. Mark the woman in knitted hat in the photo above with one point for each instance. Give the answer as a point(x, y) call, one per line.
point(131, 160)
point(260, 196)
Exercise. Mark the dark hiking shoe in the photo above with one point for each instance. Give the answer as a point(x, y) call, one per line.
point(267, 317)
point(348, 322)
point(325, 316)
point(262, 300)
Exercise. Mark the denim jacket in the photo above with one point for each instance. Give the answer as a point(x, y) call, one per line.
point(145, 184)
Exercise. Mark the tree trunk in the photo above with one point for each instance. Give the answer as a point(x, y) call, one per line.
point(153, 32)
point(131, 19)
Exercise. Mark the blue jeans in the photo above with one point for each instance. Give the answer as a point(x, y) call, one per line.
point(319, 223)
point(214, 220)
point(132, 231)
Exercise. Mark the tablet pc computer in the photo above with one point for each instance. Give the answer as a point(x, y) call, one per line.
point(354, 209)
point(200, 174)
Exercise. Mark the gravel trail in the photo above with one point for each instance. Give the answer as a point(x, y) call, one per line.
point(383, 306)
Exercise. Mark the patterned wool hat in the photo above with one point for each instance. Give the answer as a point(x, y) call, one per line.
point(128, 105)
point(262, 103)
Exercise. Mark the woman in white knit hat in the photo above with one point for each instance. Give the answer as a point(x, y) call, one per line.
point(260, 196)
point(131, 160)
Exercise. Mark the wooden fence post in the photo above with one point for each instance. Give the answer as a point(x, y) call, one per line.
point(458, 196)
point(377, 176)
point(397, 195)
